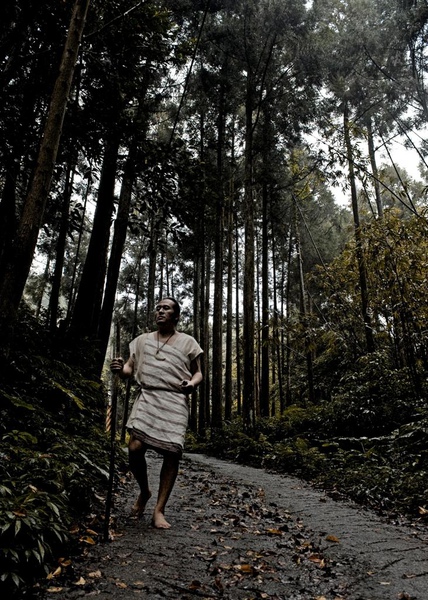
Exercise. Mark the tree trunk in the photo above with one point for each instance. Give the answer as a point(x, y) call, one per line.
point(151, 284)
point(237, 324)
point(19, 264)
point(357, 233)
point(248, 401)
point(202, 412)
point(119, 238)
point(288, 394)
point(228, 391)
point(60, 252)
point(304, 311)
point(265, 383)
point(86, 315)
point(204, 388)
point(74, 277)
point(375, 172)
point(197, 268)
point(7, 211)
point(276, 340)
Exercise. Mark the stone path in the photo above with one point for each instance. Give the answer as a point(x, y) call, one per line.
point(241, 533)
point(390, 561)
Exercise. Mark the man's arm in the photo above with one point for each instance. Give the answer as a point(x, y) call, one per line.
point(195, 368)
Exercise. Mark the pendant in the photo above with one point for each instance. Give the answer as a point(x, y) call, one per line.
point(158, 356)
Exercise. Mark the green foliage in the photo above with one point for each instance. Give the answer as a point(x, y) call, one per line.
point(324, 444)
point(54, 454)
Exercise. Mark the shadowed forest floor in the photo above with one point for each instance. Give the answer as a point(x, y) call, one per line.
point(242, 533)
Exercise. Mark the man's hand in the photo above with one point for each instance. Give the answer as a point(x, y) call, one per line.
point(186, 387)
point(116, 365)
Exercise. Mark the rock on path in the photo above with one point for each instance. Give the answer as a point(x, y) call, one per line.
point(242, 533)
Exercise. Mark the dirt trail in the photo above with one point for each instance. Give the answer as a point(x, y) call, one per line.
point(241, 533)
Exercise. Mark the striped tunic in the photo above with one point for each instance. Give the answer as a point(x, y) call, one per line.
point(160, 413)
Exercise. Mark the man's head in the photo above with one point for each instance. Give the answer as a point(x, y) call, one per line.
point(166, 305)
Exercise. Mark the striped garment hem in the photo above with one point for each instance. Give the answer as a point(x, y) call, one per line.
point(154, 444)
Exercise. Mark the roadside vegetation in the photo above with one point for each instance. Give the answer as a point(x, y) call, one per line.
point(54, 457)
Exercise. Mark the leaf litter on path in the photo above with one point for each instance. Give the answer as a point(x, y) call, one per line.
point(227, 541)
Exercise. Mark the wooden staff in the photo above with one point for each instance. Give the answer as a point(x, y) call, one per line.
point(113, 412)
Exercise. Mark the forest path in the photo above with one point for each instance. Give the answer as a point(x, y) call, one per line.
point(242, 533)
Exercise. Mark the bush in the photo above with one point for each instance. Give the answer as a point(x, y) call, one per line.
point(54, 455)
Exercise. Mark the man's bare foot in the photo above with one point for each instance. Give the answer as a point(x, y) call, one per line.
point(140, 504)
point(159, 521)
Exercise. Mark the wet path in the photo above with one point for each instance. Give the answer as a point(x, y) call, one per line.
point(241, 533)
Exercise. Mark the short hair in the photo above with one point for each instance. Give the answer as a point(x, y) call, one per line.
point(177, 307)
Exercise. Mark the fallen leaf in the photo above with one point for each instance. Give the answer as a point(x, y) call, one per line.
point(87, 540)
point(121, 584)
point(81, 581)
point(54, 590)
point(275, 532)
point(245, 568)
point(423, 511)
point(64, 562)
point(55, 573)
point(317, 559)
point(95, 574)
point(91, 532)
point(332, 538)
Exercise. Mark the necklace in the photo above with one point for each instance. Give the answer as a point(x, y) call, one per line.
point(157, 355)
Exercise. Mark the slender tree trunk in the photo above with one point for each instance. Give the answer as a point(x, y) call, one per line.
point(265, 383)
point(257, 354)
point(303, 310)
point(193, 420)
point(19, 264)
point(153, 256)
point(357, 233)
point(375, 172)
point(217, 343)
point(276, 339)
point(237, 324)
point(87, 311)
point(203, 389)
point(8, 222)
point(248, 403)
point(73, 287)
point(228, 391)
point(118, 244)
point(288, 394)
point(205, 398)
point(60, 251)
point(45, 280)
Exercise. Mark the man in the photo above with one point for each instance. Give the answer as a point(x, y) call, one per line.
point(166, 365)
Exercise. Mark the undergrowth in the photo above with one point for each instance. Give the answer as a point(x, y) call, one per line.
point(54, 456)
point(388, 472)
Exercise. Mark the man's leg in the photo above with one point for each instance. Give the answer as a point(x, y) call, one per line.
point(168, 475)
point(138, 466)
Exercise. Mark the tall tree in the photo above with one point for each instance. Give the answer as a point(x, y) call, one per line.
point(19, 260)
